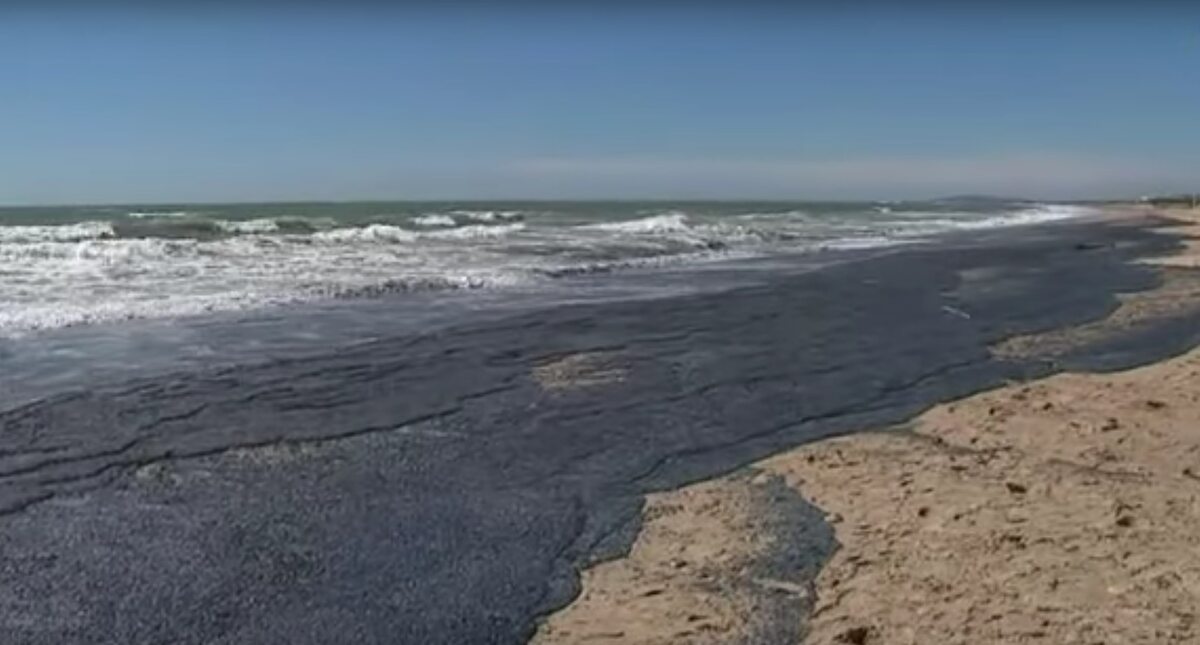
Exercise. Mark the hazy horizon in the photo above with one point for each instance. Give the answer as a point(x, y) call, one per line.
point(483, 201)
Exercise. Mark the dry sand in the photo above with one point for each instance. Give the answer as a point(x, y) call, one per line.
point(687, 578)
point(1061, 511)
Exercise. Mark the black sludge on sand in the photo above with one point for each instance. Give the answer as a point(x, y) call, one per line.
point(445, 488)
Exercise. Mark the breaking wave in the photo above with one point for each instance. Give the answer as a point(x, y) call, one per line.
point(665, 223)
point(169, 263)
point(434, 219)
point(159, 214)
point(24, 234)
point(489, 216)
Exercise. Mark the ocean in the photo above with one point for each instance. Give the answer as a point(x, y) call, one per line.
point(81, 265)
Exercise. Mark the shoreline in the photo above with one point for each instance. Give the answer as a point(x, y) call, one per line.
point(448, 487)
point(43, 361)
point(1056, 510)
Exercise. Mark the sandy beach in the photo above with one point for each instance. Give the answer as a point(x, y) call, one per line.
point(1062, 510)
point(515, 323)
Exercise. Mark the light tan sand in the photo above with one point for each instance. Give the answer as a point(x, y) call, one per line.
point(1190, 257)
point(687, 579)
point(584, 369)
point(1062, 511)
point(1065, 510)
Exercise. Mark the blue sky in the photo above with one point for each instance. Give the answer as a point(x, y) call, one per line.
point(525, 101)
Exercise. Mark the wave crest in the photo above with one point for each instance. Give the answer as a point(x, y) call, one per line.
point(489, 216)
point(434, 219)
point(160, 214)
point(476, 232)
point(673, 222)
point(62, 233)
point(378, 233)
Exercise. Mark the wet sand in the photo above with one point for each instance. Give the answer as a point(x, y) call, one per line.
point(1062, 510)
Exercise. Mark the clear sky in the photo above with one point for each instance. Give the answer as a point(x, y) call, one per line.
point(520, 100)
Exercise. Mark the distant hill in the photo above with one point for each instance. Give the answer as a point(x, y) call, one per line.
point(978, 200)
point(1191, 200)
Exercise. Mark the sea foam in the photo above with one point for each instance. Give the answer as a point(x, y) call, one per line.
point(178, 263)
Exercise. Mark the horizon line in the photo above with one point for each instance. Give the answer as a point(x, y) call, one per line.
point(580, 200)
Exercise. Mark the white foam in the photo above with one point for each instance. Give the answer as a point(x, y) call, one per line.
point(57, 284)
point(144, 298)
point(158, 214)
point(673, 222)
point(388, 234)
point(248, 227)
point(488, 216)
point(792, 215)
point(476, 232)
point(62, 233)
point(931, 223)
point(81, 273)
point(51, 315)
point(377, 233)
point(434, 219)
point(1050, 213)
point(865, 242)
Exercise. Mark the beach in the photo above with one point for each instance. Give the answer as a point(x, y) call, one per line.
point(1058, 510)
point(422, 468)
point(638, 324)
